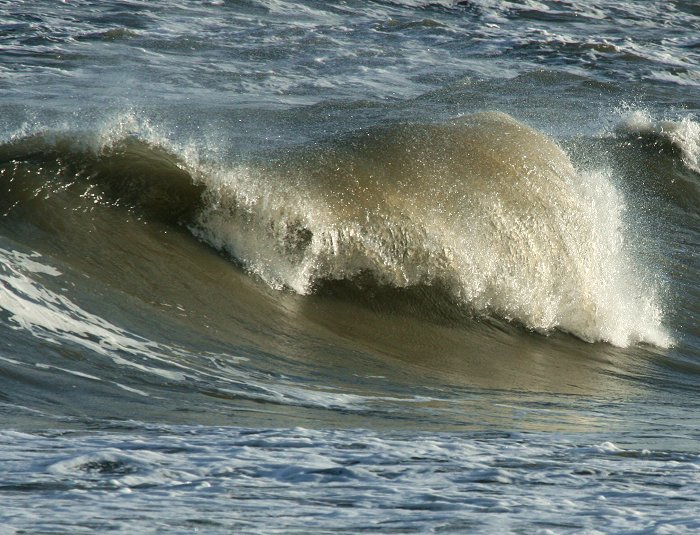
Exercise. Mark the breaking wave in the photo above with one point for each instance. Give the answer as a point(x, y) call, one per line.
point(483, 207)
point(483, 213)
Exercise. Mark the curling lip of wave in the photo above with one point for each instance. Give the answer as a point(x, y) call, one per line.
point(484, 206)
point(130, 172)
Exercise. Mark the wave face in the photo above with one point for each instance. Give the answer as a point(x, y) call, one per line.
point(69, 169)
point(484, 208)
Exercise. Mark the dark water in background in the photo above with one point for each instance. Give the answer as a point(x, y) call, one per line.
point(363, 266)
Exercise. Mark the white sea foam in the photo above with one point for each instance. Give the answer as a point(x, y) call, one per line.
point(355, 480)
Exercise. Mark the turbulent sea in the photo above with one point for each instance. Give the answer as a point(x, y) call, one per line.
point(360, 267)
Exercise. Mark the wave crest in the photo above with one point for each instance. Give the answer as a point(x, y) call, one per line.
point(682, 135)
point(483, 206)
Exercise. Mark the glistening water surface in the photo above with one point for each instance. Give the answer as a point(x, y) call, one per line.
point(385, 267)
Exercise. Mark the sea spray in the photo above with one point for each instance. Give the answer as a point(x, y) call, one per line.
point(483, 206)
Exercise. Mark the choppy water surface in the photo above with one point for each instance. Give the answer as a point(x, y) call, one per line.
point(349, 266)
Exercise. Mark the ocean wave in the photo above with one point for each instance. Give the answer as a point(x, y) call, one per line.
point(681, 135)
point(482, 213)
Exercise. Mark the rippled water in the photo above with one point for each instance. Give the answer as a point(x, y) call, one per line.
point(298, 480)
point(274, 266)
